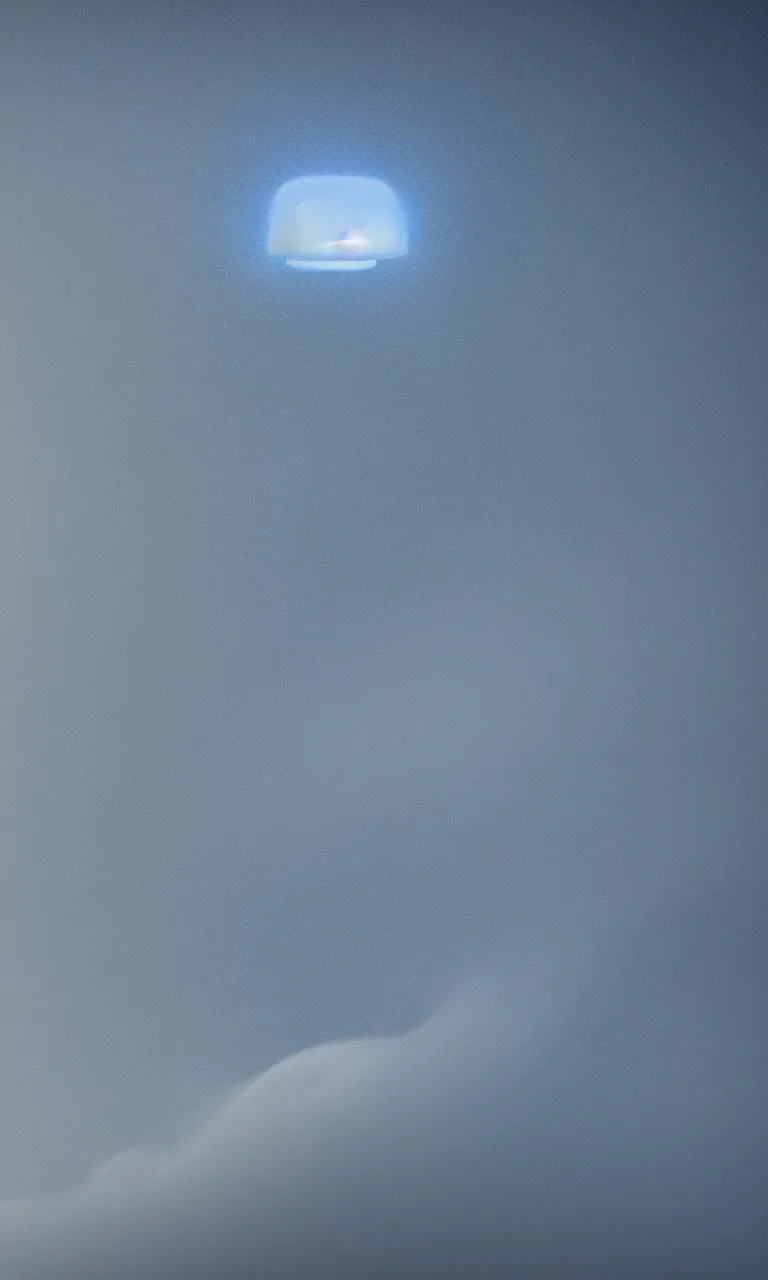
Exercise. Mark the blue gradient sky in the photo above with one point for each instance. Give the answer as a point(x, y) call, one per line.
point(367, 637)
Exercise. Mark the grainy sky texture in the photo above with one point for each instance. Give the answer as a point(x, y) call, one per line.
point(383, 657)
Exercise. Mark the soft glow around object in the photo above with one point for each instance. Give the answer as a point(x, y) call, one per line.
point(336, 223)
point(334, 264)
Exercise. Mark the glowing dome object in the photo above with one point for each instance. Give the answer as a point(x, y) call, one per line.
point(336, 223)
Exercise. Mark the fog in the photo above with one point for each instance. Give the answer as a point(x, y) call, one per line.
point(383, 872)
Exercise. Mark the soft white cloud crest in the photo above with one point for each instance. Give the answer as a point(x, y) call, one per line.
point(514, 1132)
point(316, 1138)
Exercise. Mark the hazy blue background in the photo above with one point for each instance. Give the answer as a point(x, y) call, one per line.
point(364, 637)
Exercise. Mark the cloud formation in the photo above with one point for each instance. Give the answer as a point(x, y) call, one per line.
point(512, 1133)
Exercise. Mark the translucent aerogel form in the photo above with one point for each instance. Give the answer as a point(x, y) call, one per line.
point(336, 223)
